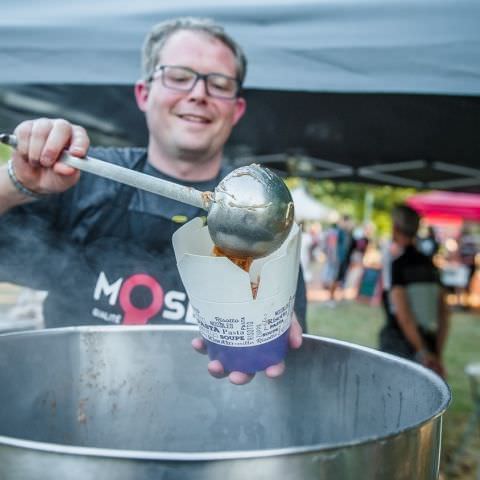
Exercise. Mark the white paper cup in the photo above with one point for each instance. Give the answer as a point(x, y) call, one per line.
point(244, 333)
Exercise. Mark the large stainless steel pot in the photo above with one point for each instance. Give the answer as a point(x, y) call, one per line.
point(136, 403)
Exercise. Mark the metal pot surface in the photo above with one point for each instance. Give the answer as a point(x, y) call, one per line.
point(135, 403)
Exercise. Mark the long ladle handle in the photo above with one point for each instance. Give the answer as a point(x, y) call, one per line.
point(172, 190)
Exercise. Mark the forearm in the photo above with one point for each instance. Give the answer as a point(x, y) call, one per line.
point(9, 196)
point(411, 333)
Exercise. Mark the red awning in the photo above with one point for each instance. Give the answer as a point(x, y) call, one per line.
point(464, 206)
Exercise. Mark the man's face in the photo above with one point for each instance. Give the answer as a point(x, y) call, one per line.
point(190, 125)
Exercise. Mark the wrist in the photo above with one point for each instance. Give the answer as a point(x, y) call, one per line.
point(9, 196)
point(18, 185)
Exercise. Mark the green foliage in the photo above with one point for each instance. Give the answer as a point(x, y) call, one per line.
point(4, 153)
point(352, 199)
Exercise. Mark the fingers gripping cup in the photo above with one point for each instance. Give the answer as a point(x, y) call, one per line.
point(245, 329)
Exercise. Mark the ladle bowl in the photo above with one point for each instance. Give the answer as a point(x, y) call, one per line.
point(252, 212)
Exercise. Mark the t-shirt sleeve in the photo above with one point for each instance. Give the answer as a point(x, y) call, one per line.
point(398, 277)
point(300, 306)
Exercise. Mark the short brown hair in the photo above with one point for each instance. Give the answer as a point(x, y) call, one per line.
point(161, 32)
point(406, 220)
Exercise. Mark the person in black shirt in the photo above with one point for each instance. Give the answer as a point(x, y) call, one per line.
point(102, 250)
point(416, 311)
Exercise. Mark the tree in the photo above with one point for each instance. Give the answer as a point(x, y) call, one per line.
point(350, 198)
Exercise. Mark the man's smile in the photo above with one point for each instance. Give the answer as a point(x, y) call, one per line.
point(194, 118)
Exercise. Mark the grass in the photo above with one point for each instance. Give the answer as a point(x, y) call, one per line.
point(360, 324)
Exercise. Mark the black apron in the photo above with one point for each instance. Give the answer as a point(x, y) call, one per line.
point(123, 273)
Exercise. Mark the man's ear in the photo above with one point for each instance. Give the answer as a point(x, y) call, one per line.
point(240, 107)
point(141, 94)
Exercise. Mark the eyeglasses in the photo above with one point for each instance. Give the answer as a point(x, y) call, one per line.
point(184, 79)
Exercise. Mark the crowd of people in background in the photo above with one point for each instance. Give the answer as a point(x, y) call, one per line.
point(330, 254)
point(334, 255)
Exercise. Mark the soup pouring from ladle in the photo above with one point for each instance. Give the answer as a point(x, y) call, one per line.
point(250, 212)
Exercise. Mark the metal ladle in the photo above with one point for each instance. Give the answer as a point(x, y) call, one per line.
point(250, 212)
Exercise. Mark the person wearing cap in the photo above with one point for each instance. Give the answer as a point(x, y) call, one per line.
point(417, 315)
point(103, 250)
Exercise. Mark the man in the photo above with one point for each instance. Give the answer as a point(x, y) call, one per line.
point(102, 250)
point(417, 314)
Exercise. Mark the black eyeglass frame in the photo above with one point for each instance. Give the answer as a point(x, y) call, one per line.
point(198, 76)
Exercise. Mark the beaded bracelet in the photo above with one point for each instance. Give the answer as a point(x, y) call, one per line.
point(18, 185)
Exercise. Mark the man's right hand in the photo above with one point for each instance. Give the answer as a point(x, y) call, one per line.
point(40, 144)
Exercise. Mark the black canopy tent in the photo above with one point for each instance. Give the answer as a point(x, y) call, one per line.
point(365, 90)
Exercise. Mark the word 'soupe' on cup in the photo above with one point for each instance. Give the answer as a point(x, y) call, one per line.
point(244, 333)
